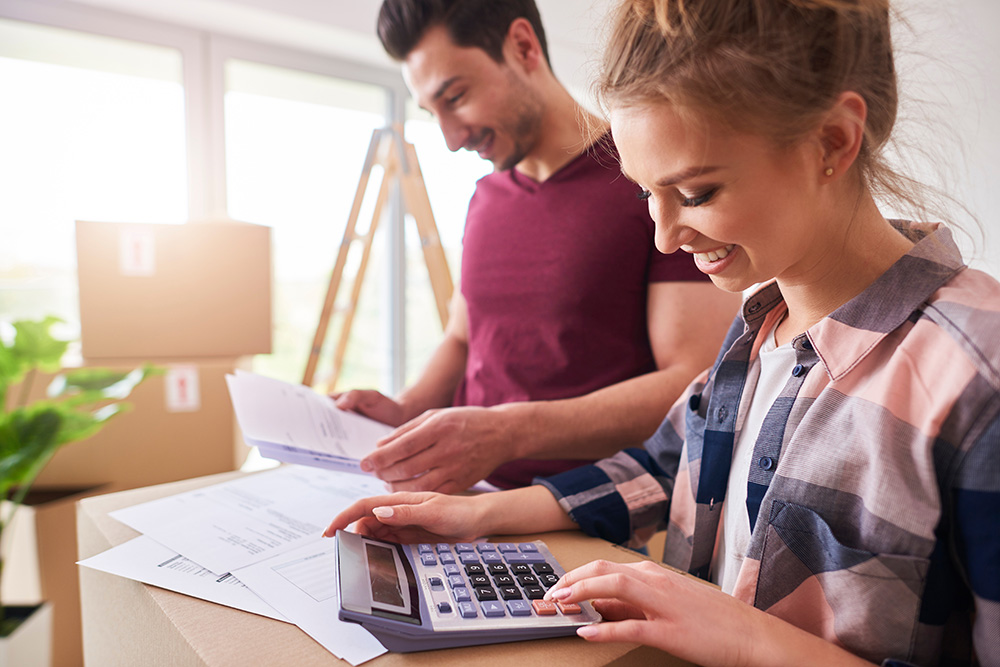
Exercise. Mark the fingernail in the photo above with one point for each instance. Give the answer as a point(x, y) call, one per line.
point(560, 593)
point(382, 512)
point(366, 465)
point(587, 631)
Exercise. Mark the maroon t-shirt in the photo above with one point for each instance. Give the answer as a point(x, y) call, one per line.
point(555, 275)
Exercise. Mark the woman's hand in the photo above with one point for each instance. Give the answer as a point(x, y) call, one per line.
point(410, 517)
point(413, 517)
point(649, 604)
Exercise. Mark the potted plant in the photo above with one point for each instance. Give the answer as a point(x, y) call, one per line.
point(77, 404)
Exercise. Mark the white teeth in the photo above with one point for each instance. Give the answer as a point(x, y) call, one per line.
point(714, 255)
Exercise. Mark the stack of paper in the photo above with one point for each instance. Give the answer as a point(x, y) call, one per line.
point(255, 544)
point(294, 424)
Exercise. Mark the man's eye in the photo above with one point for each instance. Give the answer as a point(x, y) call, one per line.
point(699, 199)
point(455, 98)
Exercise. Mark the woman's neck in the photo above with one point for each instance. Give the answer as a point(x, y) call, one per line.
point(855, 255)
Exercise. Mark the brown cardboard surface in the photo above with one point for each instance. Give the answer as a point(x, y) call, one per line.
point(160, 439)
point(174, 291)
point(128, 623)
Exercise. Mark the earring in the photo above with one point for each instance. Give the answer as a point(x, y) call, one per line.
point(828, 171)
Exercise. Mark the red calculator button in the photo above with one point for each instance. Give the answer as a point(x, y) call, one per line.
point(544, 607)
point(569, 608)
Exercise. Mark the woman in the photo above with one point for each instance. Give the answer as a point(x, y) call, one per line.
point(835, 472)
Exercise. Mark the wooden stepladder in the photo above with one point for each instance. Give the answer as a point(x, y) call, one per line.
point(398, 160)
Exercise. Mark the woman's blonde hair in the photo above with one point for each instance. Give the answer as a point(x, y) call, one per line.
point(769, 67)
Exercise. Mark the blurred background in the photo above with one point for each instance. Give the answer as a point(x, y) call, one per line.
point(170, 111)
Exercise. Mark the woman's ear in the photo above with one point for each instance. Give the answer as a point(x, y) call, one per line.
point(842, 133)
point(521, 47)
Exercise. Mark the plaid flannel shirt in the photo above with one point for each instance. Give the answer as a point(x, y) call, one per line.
point(874, 497)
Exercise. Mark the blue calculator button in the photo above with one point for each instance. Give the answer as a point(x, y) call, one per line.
point(425, 549)
point(525, 547)
point(442, 547)
point(506, 546)
point(467, 557)
point(519, 607)
point(456, 580)
point(464, 547)
point(484, 547)
point(492, 608)
point(492, 557)
point(467, 610)
point(452, 569)
point(428, 559)
point(435, 583)
point(447, 557)
point(462, 594)
point(445, 608)
point(524, 557)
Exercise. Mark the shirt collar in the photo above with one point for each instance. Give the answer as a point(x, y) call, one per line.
point(844, 338)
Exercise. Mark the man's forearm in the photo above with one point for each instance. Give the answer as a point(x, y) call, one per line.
point(435, 388)
point(598, 424)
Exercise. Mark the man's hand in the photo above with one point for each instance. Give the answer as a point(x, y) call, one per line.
point(373, 404)
point(446, 450)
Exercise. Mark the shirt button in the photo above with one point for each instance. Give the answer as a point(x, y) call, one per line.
point(694, 402)
point(722, 413)
point(765, 463)
point(806, 344)
point(799, 370)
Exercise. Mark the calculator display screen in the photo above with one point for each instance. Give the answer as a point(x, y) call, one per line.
point(383, 577)
point(392, 586)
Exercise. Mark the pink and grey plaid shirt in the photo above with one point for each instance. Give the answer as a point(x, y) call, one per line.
point(874, 498)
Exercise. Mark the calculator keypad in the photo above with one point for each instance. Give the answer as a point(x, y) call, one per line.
point(491, 580)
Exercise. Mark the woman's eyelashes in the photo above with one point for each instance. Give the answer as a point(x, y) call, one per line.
point(698, 200)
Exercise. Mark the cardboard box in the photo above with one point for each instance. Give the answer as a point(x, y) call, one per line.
point(129, 623)
point(155, 291)
point(181, 425)
point(41, 543)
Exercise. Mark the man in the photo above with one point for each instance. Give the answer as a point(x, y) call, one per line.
point(570, 336)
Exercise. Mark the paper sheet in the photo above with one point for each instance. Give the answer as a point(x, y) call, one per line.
point(302, 585)
point(278, 416)
point(145, 560)
point(245, 521)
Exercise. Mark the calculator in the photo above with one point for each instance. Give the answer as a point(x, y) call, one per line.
point(430, 596)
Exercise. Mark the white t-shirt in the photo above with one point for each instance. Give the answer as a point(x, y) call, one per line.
point(776, 364)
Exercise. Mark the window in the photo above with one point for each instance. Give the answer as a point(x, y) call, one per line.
point(451, 180)
point(295, 145)
point(91, 128)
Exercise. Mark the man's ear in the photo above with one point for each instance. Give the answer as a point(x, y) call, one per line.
point(842, 133)
point(521, 47)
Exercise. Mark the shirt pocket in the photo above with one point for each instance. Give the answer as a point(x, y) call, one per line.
point(865, 601)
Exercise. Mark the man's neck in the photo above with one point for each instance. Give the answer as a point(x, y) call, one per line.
point(567, 130)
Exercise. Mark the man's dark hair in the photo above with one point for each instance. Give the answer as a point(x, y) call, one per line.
point(480, 24)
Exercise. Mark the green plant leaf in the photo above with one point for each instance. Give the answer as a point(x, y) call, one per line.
point(28, 436)
point(30, 346)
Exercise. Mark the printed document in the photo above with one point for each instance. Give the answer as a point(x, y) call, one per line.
point(145, 560)
point(302, 585)
point(294, 424)
point(230, 525)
